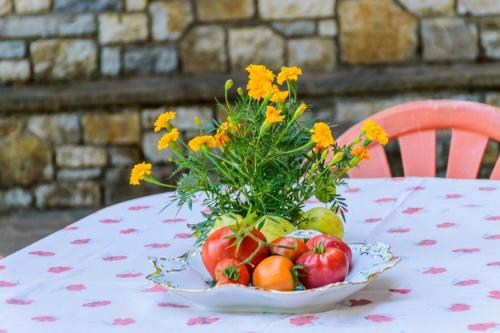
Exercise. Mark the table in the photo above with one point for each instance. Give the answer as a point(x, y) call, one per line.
point(89, 277)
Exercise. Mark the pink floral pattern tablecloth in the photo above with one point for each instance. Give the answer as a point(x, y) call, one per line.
point(89, 277)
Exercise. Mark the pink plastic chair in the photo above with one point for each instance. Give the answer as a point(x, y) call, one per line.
point(414, 124)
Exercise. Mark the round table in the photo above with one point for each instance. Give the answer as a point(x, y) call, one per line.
point(90, 276)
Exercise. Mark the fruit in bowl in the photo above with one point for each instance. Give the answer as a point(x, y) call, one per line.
point(323, 220)
point(232, 253)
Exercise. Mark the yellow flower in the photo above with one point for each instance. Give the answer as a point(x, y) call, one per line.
point(138, 172)
point(227, 127)
point(260, 81)
point(375, 132)
point(278, 96)
point(272, 116)
point(361, 152)
point(302, 107)
point(163, 120)
point(197, 142)
point(220, 139)
point(322, 136)
point(168, 138)
point(289, 73)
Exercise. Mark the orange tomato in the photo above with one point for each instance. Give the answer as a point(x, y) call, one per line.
point(275, 273)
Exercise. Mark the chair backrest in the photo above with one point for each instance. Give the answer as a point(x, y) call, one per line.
point(414, 124)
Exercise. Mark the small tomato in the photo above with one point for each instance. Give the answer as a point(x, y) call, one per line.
point(330, 241)
point(275, 273)
point(222, 244)
point(288, 247)
point(322, 266)
point(229, 271)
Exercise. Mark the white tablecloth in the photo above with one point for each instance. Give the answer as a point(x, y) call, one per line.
point(89, 277)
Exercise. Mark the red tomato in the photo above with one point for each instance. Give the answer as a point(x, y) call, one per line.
point(322, 266)
point(275, 273)
point(229, 271)
point(330, 241)
point(221, 245)
point(294, 247)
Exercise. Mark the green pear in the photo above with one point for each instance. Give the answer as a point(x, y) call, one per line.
point(275, 227)
point(226, 220)
point(323, 220)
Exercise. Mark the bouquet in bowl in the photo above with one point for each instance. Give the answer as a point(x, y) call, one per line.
point(256, 169)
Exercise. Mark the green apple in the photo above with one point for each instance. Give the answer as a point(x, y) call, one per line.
point(226, 220)
point(276, 227)
point(323, 220)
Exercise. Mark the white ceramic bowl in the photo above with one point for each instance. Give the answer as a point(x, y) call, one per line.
point(186, 276)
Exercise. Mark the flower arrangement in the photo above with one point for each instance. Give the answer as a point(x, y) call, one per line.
point(264, 159)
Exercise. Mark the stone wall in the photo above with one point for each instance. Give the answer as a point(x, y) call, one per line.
point(65, 144)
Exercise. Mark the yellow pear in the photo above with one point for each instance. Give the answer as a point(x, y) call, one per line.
point(276, 227)
point(323, 220)
point(225, 220)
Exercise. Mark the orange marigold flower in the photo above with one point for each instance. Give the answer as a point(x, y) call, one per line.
point(227, 127)
point(361, 152)
point(204, 140)
point(138, 172)
point(321, 135)
point(168, 138)
point(278, 96)
point(220, 139)
point(260, 81)
point(375, 132)
point(273, 116)
point(289, 73)
point(163, 119)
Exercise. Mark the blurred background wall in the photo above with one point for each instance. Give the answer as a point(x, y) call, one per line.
point(83, 80)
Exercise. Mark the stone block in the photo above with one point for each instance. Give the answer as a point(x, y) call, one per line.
point(14, 70)
point(133, 5)
point(123, 156)
point(24, 160)
point(12, 49)
point(170, 18)
point(117, 128)
point(327, 28)
point(47, 25)
point(376, 31)
point(68, 194)
point(296, 28)
point(5, 7)
point(185, 116)
point(203, 50)
point(447, 39)
point(79, 174)
point(80, 156)
point(209, 10)
point(123, 28)
point(490, 36)
point(478, 7)
point(430, 7)
point(150, 59)
point(312, 53)
point(14, 199)
point(10, 127)
point(56, 129)
point(258, 45)
point(110, 61)
point(81, 6)
point(59, 59)
point(291, 9)
point(32, 6)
